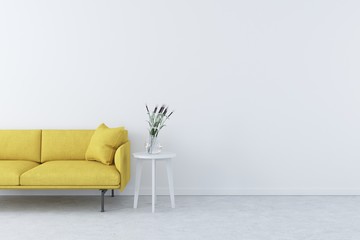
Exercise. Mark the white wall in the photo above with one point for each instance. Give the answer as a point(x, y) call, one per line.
point(266, 93)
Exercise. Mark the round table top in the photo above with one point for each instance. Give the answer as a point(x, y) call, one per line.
point(162, 155)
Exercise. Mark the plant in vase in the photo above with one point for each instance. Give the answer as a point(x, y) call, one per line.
point(157, 119)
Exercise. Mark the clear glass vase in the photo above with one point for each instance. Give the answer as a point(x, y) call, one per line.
point(152, 146)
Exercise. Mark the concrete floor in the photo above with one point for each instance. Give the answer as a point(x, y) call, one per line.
point(195, 217)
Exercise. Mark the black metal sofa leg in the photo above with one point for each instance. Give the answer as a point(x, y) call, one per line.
point(103, 191)
point(112, 192)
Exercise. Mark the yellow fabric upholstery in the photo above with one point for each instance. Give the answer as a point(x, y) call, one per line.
point(64, 144)
point(71, 173)
point(10, 171)
point(55, 159)
point(104, 143)
point(122, 163)
point(20, 145)
point(60, 187)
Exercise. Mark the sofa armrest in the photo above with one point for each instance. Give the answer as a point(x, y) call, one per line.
point(122, 163)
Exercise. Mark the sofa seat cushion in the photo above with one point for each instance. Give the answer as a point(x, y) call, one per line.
point(71, 173)
point(10, 171)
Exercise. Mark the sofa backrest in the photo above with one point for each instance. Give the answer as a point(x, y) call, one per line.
point(20, 145)
point(64, 144)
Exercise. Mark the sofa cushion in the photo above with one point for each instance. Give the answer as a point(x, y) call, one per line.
point(64, 144)
point(71, 173)
point(20, 145)
point(104, 143)
point(10, 171)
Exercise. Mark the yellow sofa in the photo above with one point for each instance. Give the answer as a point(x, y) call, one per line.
point(55, 159)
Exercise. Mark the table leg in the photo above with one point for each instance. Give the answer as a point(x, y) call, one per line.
point(171, 182)
point(153, 184)
point(139, 165)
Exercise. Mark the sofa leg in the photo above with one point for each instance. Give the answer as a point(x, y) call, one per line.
point(112, 192)
point(103, 191)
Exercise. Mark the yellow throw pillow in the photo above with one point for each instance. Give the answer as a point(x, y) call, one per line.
point(104, 143)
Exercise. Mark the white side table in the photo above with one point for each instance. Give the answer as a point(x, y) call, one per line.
point(140, 159)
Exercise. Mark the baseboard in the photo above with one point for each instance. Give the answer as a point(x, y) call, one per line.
point(188, 191)
point(245, 192)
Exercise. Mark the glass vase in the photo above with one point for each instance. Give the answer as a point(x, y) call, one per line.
point(152, 146)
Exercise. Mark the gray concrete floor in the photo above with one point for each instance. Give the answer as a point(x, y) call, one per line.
point(195, 217)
